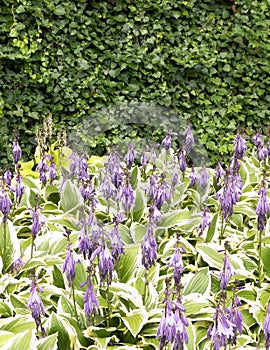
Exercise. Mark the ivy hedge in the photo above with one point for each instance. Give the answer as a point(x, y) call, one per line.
point(207, 61)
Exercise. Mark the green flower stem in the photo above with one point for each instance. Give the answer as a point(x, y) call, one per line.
point(74, 303)
point(260, 266)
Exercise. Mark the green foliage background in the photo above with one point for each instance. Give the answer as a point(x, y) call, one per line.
point(206, 60)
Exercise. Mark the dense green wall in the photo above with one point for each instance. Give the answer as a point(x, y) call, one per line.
point(207, 60)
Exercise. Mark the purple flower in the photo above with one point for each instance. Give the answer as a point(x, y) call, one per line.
point(240, 147)
point(35, 304)
point(162, 194)
point(226, 273)
point(151, 188)
point(167, 142)
point(189, 139)
point(175, 178)
point(262, 208)
point(69, 266)
point(166, 330)
point(43, 168)
point(127, 197)
point(17, 152)
point(107, 188)
point(154, 214)
point(5, 204)
point(266, 328)
point(220, 172)
point(257, 139)
point(144, 159)
point(177, 264)
point(89, 194)
point(130, 156)
point(230, 193)
point(115, 170)
point(235, 316)
point(203, 178)
point(74, 164)
point(7, 177)
point(206, 220)
point(149, 247)
point(106, 265)
point(84, 240)
point(17, 265)
point(221, 330)
point(52, 170)
point(262, 153)
point(90, 301)
point(83, 168)
point(38, 221)
point(116, 244)
point(182, 160)
point(172, 326)
point(192, 177)
point(19, 188)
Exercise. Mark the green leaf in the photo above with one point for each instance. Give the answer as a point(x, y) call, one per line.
point(19, 324)
point(134, 321)
point(211, 256)
point(56, 326)
point(71, 198)
point(22, 341)
point(200, 283)
point(137, 232)
point(213, 229)
point(139, 207)
point(49, 342)
point(127, 265)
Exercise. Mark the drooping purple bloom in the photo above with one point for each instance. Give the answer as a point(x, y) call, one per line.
point(74, 165)
point(83, 168)
point(172, 326)
point(192, 177)
point(107, 188)
point(203, 178)
point(69, 266)
point(162, 194)
point(181, 323)
point(52, 170)
point(175, 178)
point(42, 168)
point(235, 316)
point(35, 304)
point(90, 301)
point(230, 193)
point(7, 177)
point(226, 273)
point(167, 142)
point(106, 265)
point(221, 330)
point(182, 160)
point(151, 188)
point(189, 139)
point(178, 267)
point(149, 247)
point(257, 139)
point(84, 240)
point(154, 214)
point(16, 150)
point(220, 172)
point(130, 156)
point(115, 170)
point(166, 329)
point(38, 221)
point(262, 153)
point(115, 238)
point(240, 147)
point(17, 265)
point(206, 220)
point(89, 193)
point(266, 328)
point(5, 204)
point(144, 159)
point(262, 208)
point(127, 197)
point(18, 188)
